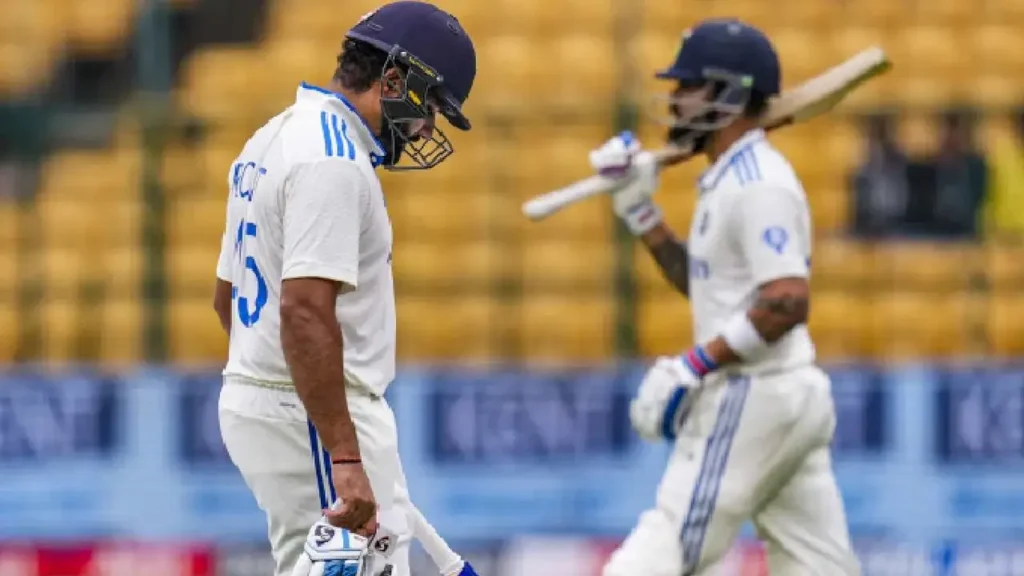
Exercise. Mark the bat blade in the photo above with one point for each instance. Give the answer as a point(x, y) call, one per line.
point(799, 104)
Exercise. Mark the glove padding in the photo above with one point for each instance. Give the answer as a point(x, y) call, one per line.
point(333, 551)
point(663, 399)
point(622, 157)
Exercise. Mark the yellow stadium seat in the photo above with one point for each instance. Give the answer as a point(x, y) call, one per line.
point(23, 67)
point(567, 328)
point(477, 19)
point(840, 263)
point(504, 92)
point(432, 213)
point(577, 73)
point(830, 210)
point(12, 220)
point(799, 53)
point(909, 325)
point(926, 265)
point(122, 270)
point(839, 324)
point(571, 263)
point(305, 18)
point(65, 269)
point(1004, 264)
point(196, 337)
point(456, 327)
point(664, 323)
point(197, 222)
point(9, 278)
point(191, 270)
point(473, 265)
point(61, 330)
point(218, 84)
point(121, 335)
point(995, 48)
point(995, 89)
point(646, 270)
point(950, 12)
point(180, 173)
point(655, 51)
point(877, 12)
point(9, 327)
point(65, 221)
point(99, 26)
point(92, 175)
point(918, 133)
point(933, 49)
point(1005, 329)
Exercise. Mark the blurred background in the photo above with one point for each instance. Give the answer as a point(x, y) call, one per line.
point(520, 342)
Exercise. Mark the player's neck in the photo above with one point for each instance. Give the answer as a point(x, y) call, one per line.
point(367, 104)
point(723, 139)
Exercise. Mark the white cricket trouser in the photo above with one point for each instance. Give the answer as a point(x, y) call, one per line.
point(276, 448)
point(752, 448)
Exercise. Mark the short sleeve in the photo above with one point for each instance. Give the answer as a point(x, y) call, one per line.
point(322, 221)
point(773, 225)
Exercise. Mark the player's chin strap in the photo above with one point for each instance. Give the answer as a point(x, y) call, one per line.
point(332, 551)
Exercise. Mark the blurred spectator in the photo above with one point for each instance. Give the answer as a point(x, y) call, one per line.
point(947, 201)
point(881, 186)
point(1005, 204)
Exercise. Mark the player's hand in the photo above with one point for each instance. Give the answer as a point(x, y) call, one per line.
point(357, 509)
point(624, 158)
point(663, 399)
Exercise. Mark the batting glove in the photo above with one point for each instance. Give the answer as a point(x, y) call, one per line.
point(664, 398)
point(622, 157)
point(332, 551)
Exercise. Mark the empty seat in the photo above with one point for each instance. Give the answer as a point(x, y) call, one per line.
point(67, 221)
point(457, 327)
point(839, 323)
point(926, 265)
point(1005, 328)
point(65, 271)
point(121, 336)
point(469, 265)
point(840, 264)
point(508, 90)
point(575, 74)
point(800, 53)
point(664, 323)
point(191, 271)
point(122, 270)
point(91, 175)
point(566, 328)
point(99, 26)
point(921, 325)
point(830, 210)
point(935, 50)
point(195, 333)
point(9, 327)
point(1004, 264)
point(218, 83)
point(197, 222)
point(569, 263)
point(438, 213)
point(62, 330)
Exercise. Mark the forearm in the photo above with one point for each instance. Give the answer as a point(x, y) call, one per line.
point(312, 347)
point(671, 256)
point(777, 310)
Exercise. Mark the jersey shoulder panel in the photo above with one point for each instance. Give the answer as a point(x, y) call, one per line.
point(312, 134)
point(763, 166)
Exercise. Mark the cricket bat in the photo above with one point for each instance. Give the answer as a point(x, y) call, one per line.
point(798, 104)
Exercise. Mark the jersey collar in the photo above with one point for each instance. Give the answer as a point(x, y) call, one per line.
point(710, 178)
point(366, 134)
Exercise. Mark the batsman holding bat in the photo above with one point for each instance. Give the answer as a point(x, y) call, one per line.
point(749, 412)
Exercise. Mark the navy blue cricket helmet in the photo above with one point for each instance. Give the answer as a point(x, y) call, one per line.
point(440, 63)
point(735, 60)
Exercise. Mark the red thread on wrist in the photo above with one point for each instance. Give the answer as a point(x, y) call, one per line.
point(347, 461)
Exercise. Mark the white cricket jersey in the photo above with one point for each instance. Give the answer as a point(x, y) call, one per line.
point(305, 201)
point(752, 225)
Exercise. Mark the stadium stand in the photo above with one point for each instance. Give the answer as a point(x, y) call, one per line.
point(475, 280)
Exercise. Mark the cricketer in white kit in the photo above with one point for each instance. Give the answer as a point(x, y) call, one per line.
point(750, 414)
point(305, 290)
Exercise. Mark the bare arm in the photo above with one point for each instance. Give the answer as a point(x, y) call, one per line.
point(311, 338)
point(781, 305)
point(671, 256)
point(222, 303)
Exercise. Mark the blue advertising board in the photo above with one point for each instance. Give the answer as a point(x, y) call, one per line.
point(924, 454)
